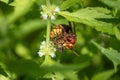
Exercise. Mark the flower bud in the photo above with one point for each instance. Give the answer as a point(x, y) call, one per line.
point(57, 9)
point(46, 50)
point(49, 12)
point(44, 16)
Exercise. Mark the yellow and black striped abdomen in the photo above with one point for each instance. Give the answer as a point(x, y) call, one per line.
point(56, 31)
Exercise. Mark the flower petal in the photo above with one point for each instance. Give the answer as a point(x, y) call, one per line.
point(57, 9)
point(52, 17)
point(52, 55)
point(40, 54)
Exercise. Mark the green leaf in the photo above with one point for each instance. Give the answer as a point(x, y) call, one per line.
point(87, 17)
point(2, 71)
point(111, 54)
point(103, 75)
point(62, 75)
point(99, 12)
point(25, 67)
point(60, 21)
point(68, 3)
point(56, 75)
point(65, 70)
point(115, 66)
point(21, 8)
point(68, 74)
point(31, 68)
point(5, 1)
point(58, 67)
point(117, 32)
point(112, 3)
point(102, 10)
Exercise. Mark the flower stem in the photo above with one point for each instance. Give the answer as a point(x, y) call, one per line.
point(48, 3)
point(48, 27)
point(48, 60)
point(48, 33)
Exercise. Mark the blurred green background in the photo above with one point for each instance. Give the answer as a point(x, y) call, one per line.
point(22, 30)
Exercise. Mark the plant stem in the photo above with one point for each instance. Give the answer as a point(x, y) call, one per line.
point(48, 26)
point(48, 3)
point(47, 62)
point(47, 56)
point(48, 33)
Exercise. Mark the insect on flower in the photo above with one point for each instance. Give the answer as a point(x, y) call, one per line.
point(63, 37)
point(56, 31)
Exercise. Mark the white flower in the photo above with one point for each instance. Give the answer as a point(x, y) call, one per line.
point(42, 45)
point(41, 13)
point(42, 6)
point(40, 54)
point(54, 49)
point(46, 50)
point(43, 42)
point(52, 55)
point(57, 9)
point(52, 17)
point(44, 16)
point(49, 12)
point(53, 13)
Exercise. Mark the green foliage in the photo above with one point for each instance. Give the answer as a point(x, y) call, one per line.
point(3, 72)
point(68, 3)
point(6, 1)
point(112, 54)
point(22, 30)
point(33, 69)
point(112, 3)
point(103, 75)
point(87, 17)
point(117, 32)
point(19, 10)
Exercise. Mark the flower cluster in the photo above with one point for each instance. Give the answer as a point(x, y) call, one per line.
point(45, 50)
point(49, 12)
